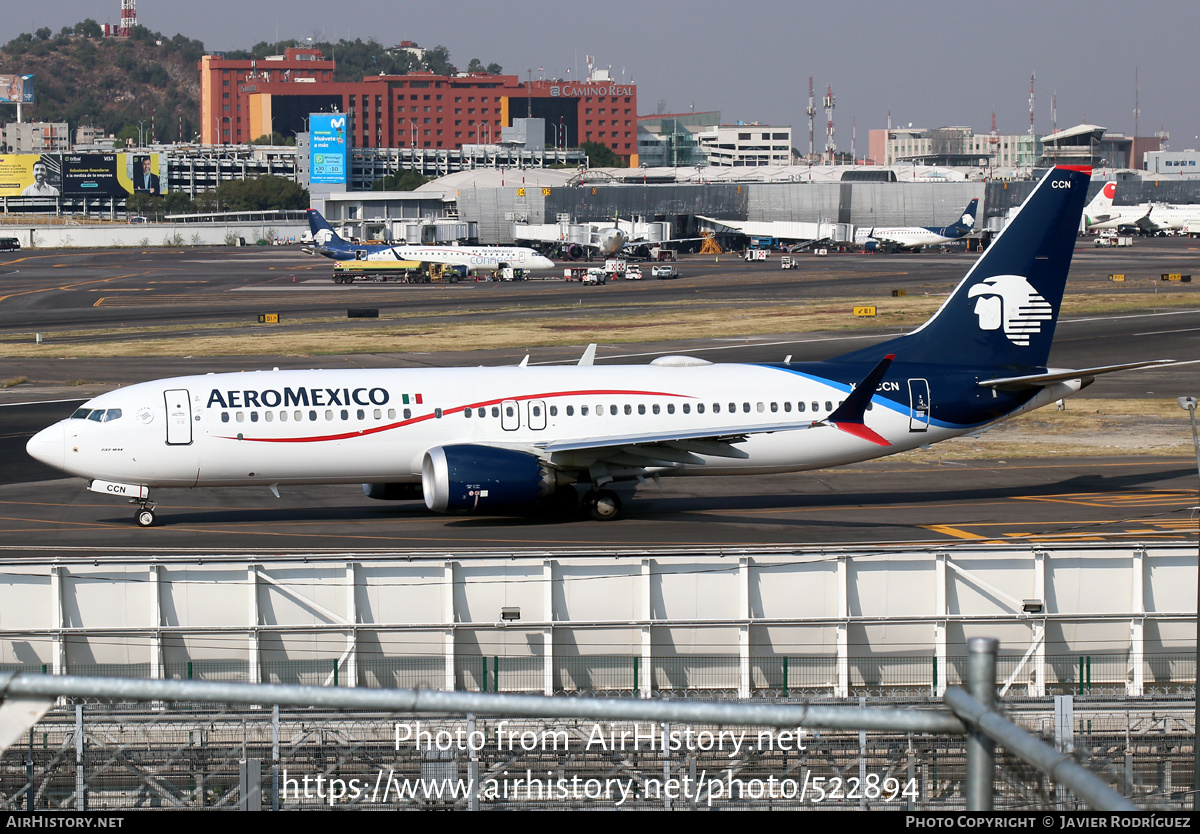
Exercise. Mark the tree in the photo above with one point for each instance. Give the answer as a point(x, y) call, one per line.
point(495, 69)
point(475, 67)
point(406, 180)
point(89, 28)
point(274, 138)
point(437, 61)
point(44, 33)
point(601, 156)
point(261, 194)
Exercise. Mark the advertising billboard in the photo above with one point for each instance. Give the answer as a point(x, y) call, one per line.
point(112, 174)
point(327, 151)
point(30, 175)
point(16, 88)
point(82, 174)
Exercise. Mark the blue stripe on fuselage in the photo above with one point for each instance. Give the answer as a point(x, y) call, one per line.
point(997, 406)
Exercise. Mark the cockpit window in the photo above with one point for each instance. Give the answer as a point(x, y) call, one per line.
point(97, 415)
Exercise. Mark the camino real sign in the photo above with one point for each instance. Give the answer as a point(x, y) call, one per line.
point(328, 157)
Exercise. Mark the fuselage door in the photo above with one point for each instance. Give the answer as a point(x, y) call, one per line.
point(537, 415)
point(918, 405)
point(510, 415)
point(179, 417)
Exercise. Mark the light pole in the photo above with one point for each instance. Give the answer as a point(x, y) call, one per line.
point(141, 133)
point(1189, 403)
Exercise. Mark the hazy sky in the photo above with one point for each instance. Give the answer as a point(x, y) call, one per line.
point(932, 63)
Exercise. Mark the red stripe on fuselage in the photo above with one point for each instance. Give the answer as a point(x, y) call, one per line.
point(423, 417)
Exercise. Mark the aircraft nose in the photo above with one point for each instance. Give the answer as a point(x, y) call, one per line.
point(542, 262)
point(49, 446)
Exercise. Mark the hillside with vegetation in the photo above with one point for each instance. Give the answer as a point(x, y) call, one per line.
point(114, 84)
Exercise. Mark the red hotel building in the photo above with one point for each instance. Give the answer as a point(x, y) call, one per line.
point(242, 100)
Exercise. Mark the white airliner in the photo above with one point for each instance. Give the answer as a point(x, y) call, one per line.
point(1166, 218)
point(512, 438)
point(327, 242)
point(916, 237)
point(1100, 213)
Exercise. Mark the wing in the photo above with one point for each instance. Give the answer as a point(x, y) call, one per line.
point(653, 450)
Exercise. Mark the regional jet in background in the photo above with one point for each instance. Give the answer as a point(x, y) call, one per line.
point(1100, 213)
point(916, 237)
point(630, 238)
point(795, 234)
point(1162, 218)
point(515, 439)
point(327, 242)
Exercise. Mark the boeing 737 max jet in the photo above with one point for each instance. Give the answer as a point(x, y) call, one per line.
point(513, 438)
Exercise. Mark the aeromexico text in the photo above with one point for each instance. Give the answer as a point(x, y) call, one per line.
point(271, 398)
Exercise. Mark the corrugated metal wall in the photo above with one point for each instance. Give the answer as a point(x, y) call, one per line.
point(864, 204)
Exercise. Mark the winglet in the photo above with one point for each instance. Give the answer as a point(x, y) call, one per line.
point(850, 415)
point(589, 355)
point(524, 362)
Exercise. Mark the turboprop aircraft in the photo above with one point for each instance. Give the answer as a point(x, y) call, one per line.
point(515, 438)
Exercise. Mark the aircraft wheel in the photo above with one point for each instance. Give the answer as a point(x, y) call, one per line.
point(603, 505)
point(145, 518)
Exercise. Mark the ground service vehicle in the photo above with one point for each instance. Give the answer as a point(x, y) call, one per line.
point(665, 271)
point(9, 244)
point(402, 272)
point(788, 262)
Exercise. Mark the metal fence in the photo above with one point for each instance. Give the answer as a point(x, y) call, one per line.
point(121, 756)
point(687, 675)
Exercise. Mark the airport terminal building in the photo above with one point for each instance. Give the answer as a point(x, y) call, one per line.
point(242, 100)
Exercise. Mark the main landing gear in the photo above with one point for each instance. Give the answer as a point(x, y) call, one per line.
point(602, 504)
point(145, 514)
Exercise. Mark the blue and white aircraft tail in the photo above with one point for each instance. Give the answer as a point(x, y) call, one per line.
point(326, 241)
point(512, 438)
point(915, 237)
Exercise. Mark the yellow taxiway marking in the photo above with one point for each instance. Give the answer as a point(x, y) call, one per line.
point(71, 286)
point(1128, 499)
point(951, 531)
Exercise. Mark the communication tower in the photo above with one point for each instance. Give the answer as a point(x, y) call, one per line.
point(830, 148)
point(128, 18)
point(811, 111)
point(1032, 78)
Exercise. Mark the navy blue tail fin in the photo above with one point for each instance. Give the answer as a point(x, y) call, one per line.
point(1002, 314)
point(965, 224)
point(323, 234)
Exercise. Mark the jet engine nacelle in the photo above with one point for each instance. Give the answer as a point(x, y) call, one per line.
point(470, 478)
point(871, 246)
point(574, 251)
point(393, 492)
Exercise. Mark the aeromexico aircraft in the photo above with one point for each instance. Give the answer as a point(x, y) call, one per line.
point(914, 237)
point(513, 438)
point(327, 242)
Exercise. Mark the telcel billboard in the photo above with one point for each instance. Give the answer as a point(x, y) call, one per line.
point(327, 149)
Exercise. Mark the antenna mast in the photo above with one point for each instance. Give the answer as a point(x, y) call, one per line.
point(811, 111)
point(830, 148)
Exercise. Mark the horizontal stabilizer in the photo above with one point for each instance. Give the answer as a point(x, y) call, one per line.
point(1051, 377)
